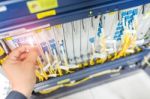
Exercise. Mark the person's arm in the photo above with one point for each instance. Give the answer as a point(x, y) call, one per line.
point(16, 95)
point(20, 68)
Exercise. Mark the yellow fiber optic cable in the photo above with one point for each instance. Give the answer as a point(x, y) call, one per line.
point(125, 46)
point(91, 62)
point(78, 82)
point(80, 65)
point(2, 60)
point(66, 64)
point(91, 76)
point(38, 75)
point(103, 60)
point(104, 72)
point(98, 61)
point(138, 49)
point(85, 64)
point(41, 68)
point(51, 70)
point(59, 70)
point(50, 89)
point(133, 43)
point(103, 44)
point(65, 61)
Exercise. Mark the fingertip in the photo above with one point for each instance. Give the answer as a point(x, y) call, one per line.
point(17, 52)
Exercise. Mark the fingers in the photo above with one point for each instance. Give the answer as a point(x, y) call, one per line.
point(15, 54)
point(23, 56)
point(32, 56)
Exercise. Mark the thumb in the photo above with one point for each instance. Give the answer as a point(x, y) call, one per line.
point(32, 56)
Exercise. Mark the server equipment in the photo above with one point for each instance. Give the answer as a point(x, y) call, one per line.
point(82, 43)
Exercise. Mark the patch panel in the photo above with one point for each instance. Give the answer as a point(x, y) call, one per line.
point(77, 45)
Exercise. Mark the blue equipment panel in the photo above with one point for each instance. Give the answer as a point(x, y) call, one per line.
point(65, 14)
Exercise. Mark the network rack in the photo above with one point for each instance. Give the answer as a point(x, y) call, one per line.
point(64, 11)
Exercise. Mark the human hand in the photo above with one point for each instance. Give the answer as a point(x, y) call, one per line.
point(20, 68)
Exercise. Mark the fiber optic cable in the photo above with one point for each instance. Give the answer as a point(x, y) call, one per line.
point(63, 54)
point(57, 65)
point(4, 46)
point(125, 46)
point(51, 89)
point(92, 40)
point(92, 76)
point(2, 54)
point(41, 68)
point(39, 76)
point(80, 81)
